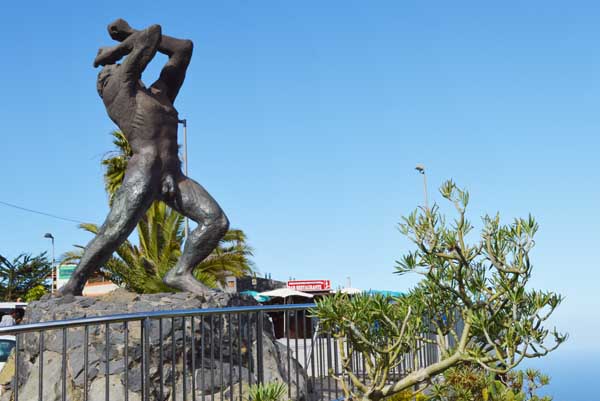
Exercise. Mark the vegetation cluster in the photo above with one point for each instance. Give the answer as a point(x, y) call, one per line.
point(24, 277)
point(473, 304)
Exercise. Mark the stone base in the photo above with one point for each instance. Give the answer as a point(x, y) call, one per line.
point(222, 332)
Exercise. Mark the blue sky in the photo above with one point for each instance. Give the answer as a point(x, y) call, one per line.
point(306, 120)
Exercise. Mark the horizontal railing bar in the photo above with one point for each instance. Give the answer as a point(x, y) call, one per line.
point(127, 317)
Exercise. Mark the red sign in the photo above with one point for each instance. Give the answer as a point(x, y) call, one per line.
point(309, 285)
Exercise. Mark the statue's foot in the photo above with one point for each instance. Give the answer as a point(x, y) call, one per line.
point(186, 282)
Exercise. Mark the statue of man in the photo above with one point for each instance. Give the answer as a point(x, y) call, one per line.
point(149, 121)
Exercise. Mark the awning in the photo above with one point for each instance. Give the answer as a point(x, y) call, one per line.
point(285, 293)
point(255, 295)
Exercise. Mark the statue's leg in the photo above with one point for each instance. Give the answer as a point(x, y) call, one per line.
point(129, 205)
point(193, 201)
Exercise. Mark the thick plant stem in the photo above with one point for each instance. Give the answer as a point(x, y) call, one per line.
point(427, 373)
point(421, 375)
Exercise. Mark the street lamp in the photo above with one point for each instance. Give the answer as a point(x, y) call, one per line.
point(48, 235)
point(421, 169)
point(183, 122)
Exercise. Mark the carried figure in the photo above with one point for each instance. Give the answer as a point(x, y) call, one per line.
point(149, 121)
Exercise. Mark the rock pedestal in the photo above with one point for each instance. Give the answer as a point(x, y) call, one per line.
point(219, 352)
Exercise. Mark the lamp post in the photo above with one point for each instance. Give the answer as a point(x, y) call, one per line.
point(421, 169)
point(54, 278)
point(186, 227)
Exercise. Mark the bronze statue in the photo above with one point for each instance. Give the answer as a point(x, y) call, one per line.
point(149, 121)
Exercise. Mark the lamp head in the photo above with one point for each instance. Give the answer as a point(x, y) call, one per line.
point(48, 235)
point(420, 168)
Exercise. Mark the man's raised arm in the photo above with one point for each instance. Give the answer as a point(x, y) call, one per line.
point(120, 31)
point(179, 52)
point(139, 47)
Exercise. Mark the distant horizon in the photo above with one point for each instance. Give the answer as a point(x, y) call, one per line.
point(570, 374)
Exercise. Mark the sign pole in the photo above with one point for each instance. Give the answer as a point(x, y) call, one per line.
point(186, 227)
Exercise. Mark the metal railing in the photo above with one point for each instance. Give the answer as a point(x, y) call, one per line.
point(198, 354)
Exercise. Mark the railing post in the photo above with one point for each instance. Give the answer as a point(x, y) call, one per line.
point(145, 358)
point(16, 377)
point(107, 362)
point(125, 361)
point(260, 374)
point(173, 361)
point(286, 333)
point(41, 367)
point(184, 361)
point(86, 337)
point(161, 388)
point(64, 365)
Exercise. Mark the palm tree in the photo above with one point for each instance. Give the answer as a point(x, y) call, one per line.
point(23, 273)
point(115, 163)
point(141, 267)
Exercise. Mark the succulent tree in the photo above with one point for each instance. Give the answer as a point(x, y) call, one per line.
point(473, 305)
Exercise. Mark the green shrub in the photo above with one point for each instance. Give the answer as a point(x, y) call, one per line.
point(471, 382)
point(273, 391)
point(35, 293)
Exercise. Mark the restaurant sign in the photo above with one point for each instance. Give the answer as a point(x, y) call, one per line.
point(309, 285)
